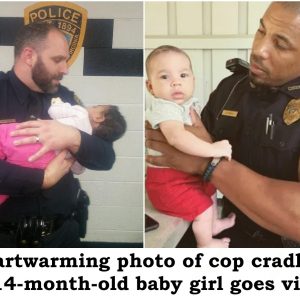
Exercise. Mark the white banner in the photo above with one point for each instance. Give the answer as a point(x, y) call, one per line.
point(146, 273)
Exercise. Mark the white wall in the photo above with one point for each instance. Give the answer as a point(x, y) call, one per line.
point(210, 32)
point(116, 211)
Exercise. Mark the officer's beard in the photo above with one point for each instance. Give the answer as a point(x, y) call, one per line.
point(258, 82)
point(43, 79)
point(262, 84)
point(260, 88)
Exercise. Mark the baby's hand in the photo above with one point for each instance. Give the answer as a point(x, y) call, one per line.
point(223, 148)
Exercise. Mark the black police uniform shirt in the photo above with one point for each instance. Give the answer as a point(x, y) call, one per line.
point(23, 185)
point(243, 115)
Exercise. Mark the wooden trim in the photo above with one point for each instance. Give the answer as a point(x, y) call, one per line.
point(197, 43)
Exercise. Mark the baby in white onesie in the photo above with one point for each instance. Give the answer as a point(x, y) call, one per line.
point(104, 121)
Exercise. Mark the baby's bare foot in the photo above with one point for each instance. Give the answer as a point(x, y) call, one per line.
point(216, 243)
point(222, 224)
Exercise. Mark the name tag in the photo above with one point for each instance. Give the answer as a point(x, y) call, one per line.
point(230, 113)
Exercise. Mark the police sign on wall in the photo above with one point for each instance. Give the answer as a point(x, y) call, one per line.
point(68, 17)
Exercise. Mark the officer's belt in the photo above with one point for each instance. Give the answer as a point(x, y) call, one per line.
point(47, 225)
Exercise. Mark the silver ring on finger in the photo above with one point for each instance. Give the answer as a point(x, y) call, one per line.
point(37, 139)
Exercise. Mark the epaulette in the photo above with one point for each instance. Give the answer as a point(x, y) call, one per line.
point(2, 75)
point(237, 66)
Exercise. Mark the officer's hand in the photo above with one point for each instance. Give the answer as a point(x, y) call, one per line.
point(57, 168)
point(51, 134)
point(172, 157)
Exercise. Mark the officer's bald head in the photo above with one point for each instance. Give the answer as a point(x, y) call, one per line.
point(33, 35)
point(293, 6)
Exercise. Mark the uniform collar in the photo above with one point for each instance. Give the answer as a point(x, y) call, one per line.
point(21, 90)
point(292, 88)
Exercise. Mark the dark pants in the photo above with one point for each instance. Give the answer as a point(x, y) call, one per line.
point(246, 234)
point(66, 236)
point(242, 239)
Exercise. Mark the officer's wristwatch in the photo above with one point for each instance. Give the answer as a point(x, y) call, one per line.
point(210, 168)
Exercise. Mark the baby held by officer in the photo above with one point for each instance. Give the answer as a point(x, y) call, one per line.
point(171, 83)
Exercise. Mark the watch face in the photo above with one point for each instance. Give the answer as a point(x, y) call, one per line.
point(215, 161)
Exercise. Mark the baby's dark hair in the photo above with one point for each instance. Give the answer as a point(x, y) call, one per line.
point(113, 126)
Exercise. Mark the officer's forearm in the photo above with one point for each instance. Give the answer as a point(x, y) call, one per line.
point(95, 153)
point(274, 204)
point(15, 180)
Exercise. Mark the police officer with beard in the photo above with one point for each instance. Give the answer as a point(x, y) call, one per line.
point(42, 207)
point(259, 113)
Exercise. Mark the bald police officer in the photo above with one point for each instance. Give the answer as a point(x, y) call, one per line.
point(259, 113)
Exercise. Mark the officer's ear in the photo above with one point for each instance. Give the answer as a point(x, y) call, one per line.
point(149, 86)
point(29, 56)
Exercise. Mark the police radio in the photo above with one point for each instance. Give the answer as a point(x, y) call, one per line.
point(237, 65)
point(240, 66)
